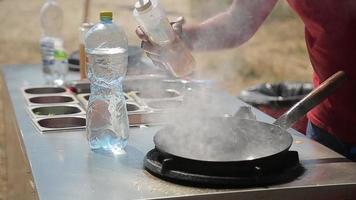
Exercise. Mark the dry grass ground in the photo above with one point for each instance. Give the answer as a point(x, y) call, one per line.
point(277, 52)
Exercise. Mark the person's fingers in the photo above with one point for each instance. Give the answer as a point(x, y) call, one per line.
point(153, 52)
point(149, 48)
point(141, 34)
point(156, 59)
point(180, 20)
point(178, 28)
point(177, 25)
point(159, 65)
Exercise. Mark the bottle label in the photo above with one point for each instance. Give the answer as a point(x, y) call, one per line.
point(47, 50)
point(107, 63)
point(60, 55)
point(52, 52)
point(54, 60)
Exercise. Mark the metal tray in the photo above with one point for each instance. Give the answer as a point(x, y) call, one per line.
point(149, 99)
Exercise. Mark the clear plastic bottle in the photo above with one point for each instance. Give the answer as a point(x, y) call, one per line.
point(175, 56)
point(54, 58)
point(106, 49)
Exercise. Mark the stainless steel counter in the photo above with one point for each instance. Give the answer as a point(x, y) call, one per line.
point(61, 166)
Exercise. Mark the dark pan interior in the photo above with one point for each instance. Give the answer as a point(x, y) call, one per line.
point(56, 110)
point(131, 107)
point(223, 140)
point(62, 122)
point(51, 99)
point(45, 90)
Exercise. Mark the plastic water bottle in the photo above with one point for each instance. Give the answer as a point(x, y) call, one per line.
point(54, 58)
point(175, 57)
point(106, 51)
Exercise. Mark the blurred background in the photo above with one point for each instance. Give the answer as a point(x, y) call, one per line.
point(276, 53)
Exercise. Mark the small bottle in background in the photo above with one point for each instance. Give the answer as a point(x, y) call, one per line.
point(84, 28)
point(106, 49)
point(175, 56)
point(54, 58)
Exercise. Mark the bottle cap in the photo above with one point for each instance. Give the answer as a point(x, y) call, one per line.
point(106, 15)
point(139, 7)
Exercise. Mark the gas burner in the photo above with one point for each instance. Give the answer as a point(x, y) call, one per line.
point(262, 172)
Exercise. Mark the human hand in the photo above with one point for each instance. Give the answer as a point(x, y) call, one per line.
point(154, 51)
point(177, 25)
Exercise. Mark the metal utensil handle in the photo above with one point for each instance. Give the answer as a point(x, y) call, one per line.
point(311, 100)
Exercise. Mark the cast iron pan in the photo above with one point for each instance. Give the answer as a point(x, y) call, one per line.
point(230, 139)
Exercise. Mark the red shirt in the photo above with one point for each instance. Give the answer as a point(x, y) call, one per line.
point(330, 34)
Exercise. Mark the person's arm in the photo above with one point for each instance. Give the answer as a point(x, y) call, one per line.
point(231, 28)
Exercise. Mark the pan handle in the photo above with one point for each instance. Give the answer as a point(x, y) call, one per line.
point(311, 100)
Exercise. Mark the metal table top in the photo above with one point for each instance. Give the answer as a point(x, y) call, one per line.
point(63, 166)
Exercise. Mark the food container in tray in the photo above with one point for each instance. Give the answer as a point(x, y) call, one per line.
point(43, 95)
point(156, 106)
point(157, 94)
point(164, 105)
point(162, 100)
point(51, 99)
point(60, 123)
point(47, 111)
point(57, 117)
point(44, 90)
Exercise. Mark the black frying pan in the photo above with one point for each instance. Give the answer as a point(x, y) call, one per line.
point(230, 139)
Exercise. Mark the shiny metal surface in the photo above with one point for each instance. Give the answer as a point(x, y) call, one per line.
point(63, 167)
point(83, 99)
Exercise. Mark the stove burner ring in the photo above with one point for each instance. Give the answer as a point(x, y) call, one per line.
point(223, 175)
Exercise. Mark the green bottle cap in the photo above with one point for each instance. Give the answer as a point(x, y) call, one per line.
point(106, 15)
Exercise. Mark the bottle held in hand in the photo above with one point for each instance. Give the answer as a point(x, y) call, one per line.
point(174, 55)
point(107, 56)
